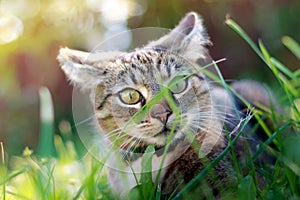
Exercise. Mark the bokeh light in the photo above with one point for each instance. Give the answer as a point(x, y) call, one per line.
point(21, 8)
point(11, 27)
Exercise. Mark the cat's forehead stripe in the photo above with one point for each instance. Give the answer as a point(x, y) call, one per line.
point(133, 78)
point(148, 61)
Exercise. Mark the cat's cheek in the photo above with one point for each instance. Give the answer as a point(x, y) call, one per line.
point(171, 121)
point(199, 86)
point(147, 130)
point(102, 114)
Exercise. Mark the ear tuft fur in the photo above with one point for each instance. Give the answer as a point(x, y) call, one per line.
point(85, 69)
point(73, 64)
point(188, 39)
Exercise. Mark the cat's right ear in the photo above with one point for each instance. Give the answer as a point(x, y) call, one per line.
point(188, 39)
point(83, 69)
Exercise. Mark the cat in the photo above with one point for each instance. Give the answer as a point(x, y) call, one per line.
point(158, 90)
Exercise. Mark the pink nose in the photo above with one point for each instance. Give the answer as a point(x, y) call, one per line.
point(161, 111)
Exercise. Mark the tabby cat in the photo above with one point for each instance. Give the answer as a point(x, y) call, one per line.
point(159, 95)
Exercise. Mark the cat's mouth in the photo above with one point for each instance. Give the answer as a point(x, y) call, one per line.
point(135, 152)
point(164, 132)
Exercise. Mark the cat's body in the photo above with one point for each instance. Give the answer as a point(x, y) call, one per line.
point(139, 96)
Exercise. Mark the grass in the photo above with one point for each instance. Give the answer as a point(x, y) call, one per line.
point(56, 171)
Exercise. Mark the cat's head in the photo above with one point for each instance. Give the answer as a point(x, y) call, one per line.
point(140, 96)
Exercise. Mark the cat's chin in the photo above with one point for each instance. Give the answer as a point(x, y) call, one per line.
point(160, 139)
point(159, 145)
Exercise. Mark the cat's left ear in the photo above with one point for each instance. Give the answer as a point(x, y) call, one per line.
point(188, 39)
point(84, 69)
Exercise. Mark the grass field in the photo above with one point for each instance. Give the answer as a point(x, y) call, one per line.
point(56, 171)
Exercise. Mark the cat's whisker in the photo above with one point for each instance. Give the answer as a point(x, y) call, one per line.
point(204, 122)
point(107, 137)
point(220, 108)
point(126, 142)
point(134, 143)
point(227, 107)
point(212, 130)
point(116, 140)
point(127, 150)
point(116, 131)
point(84, 121)
point(217, 105)
point(226, 81)
point(221, 114)
point(215, 117)
point(236, 125)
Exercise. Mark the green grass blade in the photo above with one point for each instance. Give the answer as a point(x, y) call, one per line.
point(292, 179)
point(271, 139)
point(234, 158)
point(247, 189)
point(282, 68)
point(4, 170)
point(12, 176)
point(267, 59)
point(292, 45)
point(265, 54)
point(2, 153)
point(48, 186)
point(146, 176)
point(263, 125)
point(46, 141)
point(244, 35)
point(289, 87)
point(297, 73)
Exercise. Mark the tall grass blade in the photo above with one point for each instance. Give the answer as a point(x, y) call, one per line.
point(271, 139)
point(292, 45)
point(146, 176)
point(247, 189)
point(4, 170)
point(282, 68)
point(46, 141)
point(244, 35)
point(297, 73)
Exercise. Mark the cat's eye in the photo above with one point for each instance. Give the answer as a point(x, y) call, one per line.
point(178, 84)
point(130, 96)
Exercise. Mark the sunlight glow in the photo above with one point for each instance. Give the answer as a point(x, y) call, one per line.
point(116, 11)
point(21, 8)
point(11, 27)
point(119, 37)
point(60, 13)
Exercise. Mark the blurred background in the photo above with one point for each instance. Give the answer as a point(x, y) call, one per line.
point(32, 31)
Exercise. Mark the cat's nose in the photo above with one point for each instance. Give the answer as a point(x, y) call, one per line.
point(161, 111)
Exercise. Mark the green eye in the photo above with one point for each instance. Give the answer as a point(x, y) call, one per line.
point(178, 84)
point(130, 96)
